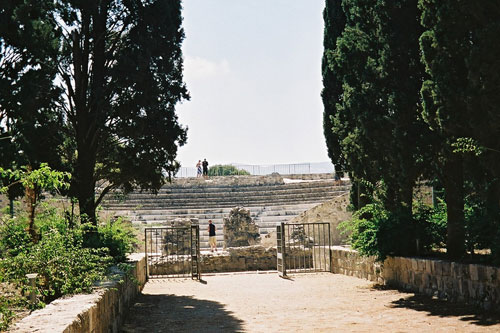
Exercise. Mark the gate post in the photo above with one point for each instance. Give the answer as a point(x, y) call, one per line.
point(195, 252)
point(146, 252)
point(283, 247)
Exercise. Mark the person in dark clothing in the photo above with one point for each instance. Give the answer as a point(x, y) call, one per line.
point(212, 241)
point(205, 168)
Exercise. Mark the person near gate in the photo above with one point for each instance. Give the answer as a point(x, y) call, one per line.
point(212, 241)
point(205, 168)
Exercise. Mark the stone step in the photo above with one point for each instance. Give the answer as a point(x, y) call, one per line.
point(236, 191)
point(227, 193)
point(218, 203)
point(182, 200)
point(166, 215)
point(264, 219)
point(269, 209)
point(213, 187)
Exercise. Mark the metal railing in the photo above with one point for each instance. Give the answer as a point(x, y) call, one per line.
point(303, 247)
point(261, 170)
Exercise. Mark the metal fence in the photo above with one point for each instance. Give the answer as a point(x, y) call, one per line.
point(262, 170)
point(303, 247)
point(172, 251)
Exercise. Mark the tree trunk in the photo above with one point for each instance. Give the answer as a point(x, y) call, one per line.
point(454, 195)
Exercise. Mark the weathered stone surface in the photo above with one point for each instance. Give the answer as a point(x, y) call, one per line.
point(249, 258)
point(240, 229)
point(475, 284)
point(272, 179)
point(333, 211)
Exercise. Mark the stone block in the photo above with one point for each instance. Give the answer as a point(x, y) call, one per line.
point(438, 267)
point(428, 266)
point(473, 272)
point(426, 280)
point(445, 268)
point(491, 274)
point(420, 265)
point(481, 273)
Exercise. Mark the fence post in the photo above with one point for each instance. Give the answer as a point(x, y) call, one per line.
point(32, 282)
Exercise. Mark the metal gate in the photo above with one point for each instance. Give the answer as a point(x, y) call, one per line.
point(173, 252)
point(303, 247)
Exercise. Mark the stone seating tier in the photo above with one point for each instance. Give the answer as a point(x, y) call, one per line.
point(172, 191)
point(269, 200)
point(224, 200)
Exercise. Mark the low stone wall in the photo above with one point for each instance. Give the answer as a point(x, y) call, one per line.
point(470, 283)
point(237, 259)
point(349, 262)
point(101, 311)
point(273, 179)
point(309, 176)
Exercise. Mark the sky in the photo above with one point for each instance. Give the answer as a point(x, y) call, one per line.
point(253, 70)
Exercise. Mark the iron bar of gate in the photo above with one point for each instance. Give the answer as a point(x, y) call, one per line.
point(308, 247)
point(146, 250)
point(329, 250)
point(324, 245)
point(169, 248)
point(305, 247)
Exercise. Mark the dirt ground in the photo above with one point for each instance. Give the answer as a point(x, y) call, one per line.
point(304, 303)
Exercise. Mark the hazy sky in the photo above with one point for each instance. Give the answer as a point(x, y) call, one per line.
point(253, 69)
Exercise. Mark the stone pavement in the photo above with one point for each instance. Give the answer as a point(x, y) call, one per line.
point(247, 302)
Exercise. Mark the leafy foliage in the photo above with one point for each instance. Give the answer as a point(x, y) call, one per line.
point(34, 182)
point(374, 231)
point(118, 65)
point(117, 236)
point(63, 263)
point(226, 170)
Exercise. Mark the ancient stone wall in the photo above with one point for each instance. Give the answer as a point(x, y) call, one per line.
point(471, 283)
point(101, 311)
point(238, 259)
point(240, 229)
point(272, 179)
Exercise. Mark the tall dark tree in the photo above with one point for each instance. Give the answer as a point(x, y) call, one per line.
point(376, 64)
point(29, 125)
point(334, 19)
point(119, 64)
point(461, 97)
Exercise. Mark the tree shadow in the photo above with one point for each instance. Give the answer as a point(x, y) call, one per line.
point(443, 308)
point(171, 313)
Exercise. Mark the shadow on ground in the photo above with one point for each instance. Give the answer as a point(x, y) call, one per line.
point(443, 308)
point(170, 313)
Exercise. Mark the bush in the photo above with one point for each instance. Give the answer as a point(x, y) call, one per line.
point(63, 265)
point(14, 237)
point(374, 231)
point(117, 236)
point(226, 170)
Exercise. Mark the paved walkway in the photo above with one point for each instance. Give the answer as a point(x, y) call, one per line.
point(305, 303)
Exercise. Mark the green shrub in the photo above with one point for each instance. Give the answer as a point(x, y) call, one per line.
point(119, 237)
point(63, 265)
point(14, 237)
point(374, 231)
point(226, 170)
point(60, 256)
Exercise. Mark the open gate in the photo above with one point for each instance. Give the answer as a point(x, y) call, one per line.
point(303, 248)
point(173, 252)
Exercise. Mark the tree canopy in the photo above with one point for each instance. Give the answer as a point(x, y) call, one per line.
point(114, 68)
point(409, 94)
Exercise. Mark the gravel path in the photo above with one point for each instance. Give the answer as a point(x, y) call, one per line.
point(304, 303)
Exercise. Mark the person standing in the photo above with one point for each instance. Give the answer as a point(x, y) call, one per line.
point(205, 168)
point(198, 169)
point(212, 241)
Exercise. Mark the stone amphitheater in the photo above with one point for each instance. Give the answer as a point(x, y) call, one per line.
point(271, 199)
